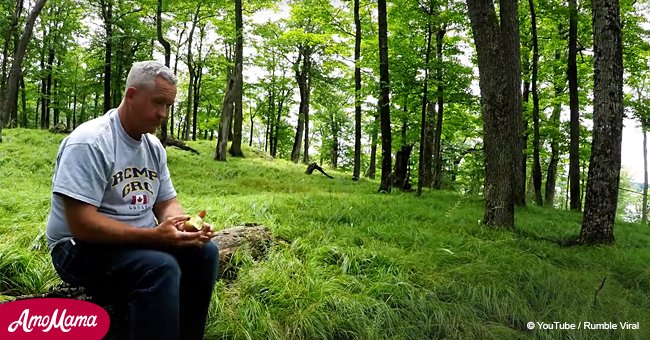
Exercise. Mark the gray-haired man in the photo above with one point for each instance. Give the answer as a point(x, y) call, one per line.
point(111, 185)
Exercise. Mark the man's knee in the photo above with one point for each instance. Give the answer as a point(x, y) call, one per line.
point(160, 267)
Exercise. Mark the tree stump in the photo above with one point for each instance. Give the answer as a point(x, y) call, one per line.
point(256, 237)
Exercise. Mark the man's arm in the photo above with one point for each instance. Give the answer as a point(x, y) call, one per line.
point(164, 209)
point(87, 224)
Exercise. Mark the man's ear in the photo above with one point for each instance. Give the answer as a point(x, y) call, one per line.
point(130, 92)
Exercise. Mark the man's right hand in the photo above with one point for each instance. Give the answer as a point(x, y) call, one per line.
point(168, 233)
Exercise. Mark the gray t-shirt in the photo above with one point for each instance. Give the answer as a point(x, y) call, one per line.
point(100, 164)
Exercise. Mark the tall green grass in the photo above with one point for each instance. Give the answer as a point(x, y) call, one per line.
point(356, 264)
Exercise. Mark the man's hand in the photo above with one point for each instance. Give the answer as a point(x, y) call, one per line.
point(170, 232)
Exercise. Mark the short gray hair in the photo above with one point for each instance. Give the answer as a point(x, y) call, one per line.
point(143, 73)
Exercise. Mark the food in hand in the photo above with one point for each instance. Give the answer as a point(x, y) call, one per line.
point(195, 223)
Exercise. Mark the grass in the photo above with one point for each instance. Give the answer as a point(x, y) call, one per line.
point(358, 264)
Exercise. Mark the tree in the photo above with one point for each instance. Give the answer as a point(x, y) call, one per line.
point(235, 147)
point(605, 162)
point(384, 99)
point(357, 92)
point(498, 45)
point(11, 97)
point(167, 47)
point(537, 168)
point(572, 75)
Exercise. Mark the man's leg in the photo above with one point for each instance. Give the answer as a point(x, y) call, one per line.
point(199, 271)
point(150, 277)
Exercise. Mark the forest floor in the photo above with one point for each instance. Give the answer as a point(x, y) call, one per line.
point(357, 264)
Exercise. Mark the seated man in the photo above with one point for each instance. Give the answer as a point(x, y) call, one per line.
point(111, 188)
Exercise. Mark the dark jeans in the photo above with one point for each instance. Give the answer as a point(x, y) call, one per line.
point(169, 291)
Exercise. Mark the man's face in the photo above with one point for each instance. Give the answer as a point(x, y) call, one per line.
point(149, 106)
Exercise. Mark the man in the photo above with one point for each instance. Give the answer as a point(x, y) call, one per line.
point(115, 223)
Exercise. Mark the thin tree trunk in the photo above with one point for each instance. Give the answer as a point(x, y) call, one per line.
point(43, 94)
point(537, 168)
point(307, 68)
point(23, 96)
point(572, 74)
point(524, 135)
point(10, 99)
point(437, 159)
point(644, 211)
point(191, 69)
point(601, 196)
point(274, 146)
point(357, 92)
point(226, 117)
point(107, 14)
point(426, 125)
point(198, 74)
point(334, 152)
point(12, 29)
point(370, 173)
point(168, 52)
point(250, 138)
point(384, 99)
point(301, 79)
point(551, 175)
point(235, 147)
point(171, 114)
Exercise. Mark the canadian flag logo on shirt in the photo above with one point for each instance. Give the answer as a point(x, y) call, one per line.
point(139, 199)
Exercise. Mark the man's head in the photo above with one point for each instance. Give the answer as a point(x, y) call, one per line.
point(150, 90)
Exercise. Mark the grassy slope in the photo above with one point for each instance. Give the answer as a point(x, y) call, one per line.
point(359, 264)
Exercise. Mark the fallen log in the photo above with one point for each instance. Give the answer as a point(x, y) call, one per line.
point(255, 238)
point(314, 166)
point(179, 144)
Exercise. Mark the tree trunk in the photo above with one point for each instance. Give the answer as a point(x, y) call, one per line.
point(250, 136)
point(171, 114)
point(55, 102)
point(196, 88)
point(168, 52)
point(572, 75)
point(601, 197)
point(524, 135)
point(437, 159)
point(537, 167)
point(274, 141)
point(192, 74)
point(48, 89)
point(370, 173)
point(426, 125)
point(551, 174)
point(12, 29)
point(10, 100)
point(307, 67)
point(401, 173)
point(384, 99)
point(107, 14)
point(23, 97)
point(500, 98)
point(357, 92)
point(644, 211)
point(43, 93)
point(301, 79)
point(226, 115)
point(235, 147)
point(334, 152)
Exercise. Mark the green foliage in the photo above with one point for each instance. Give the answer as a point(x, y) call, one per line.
point(351, 263)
